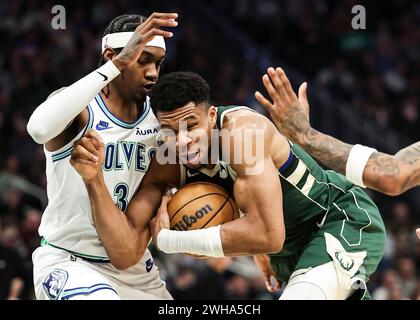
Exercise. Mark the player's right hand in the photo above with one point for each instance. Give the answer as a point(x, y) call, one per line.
point(88, 155)
point(289, 112)
point(263, 263)
point(145, 32)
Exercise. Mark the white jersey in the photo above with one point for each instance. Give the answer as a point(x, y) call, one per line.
point(67, 222)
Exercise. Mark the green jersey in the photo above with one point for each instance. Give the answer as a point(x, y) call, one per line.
point(308, 190)
point(312, 196)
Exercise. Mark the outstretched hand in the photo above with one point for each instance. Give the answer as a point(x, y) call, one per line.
point(289, 112)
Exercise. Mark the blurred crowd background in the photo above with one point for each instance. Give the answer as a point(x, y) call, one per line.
point(364, 87)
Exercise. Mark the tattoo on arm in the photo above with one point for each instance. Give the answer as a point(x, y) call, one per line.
point(294, 123)
point(382, 172)
point(328, 150)
point(394, 174)
point(410, 158)
point(410, 155)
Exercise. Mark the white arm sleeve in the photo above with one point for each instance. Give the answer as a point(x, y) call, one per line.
point(53, 115)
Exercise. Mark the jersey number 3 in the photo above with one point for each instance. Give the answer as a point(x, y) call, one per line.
point(121, 192)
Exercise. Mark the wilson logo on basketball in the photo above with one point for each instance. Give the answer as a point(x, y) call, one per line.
point(187, 221)
point(199, 205)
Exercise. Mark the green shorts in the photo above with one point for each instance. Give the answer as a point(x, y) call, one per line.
point(351, 234)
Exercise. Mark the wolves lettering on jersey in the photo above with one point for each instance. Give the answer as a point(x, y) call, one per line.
point(67, 221)
point(122, 155)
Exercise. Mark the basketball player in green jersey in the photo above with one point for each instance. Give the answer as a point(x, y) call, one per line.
point(389, 174)
point(323, 235)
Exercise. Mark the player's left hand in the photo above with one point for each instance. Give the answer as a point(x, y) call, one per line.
point(289, 112)
point(263, 263)
point(418, 232)
point(161, 220)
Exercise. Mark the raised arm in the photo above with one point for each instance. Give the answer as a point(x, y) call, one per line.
point(124, 236)
point(55, 114)
point(390, 174)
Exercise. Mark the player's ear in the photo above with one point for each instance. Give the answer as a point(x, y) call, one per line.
point(212, 113)
point(109, 53)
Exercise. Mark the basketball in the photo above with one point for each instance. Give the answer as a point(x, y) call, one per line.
point(201, 205)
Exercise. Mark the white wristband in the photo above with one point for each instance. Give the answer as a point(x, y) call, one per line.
point(205, 242)
point(356, 162)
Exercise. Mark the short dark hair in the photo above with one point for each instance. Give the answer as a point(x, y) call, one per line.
point(176, 89)
point(123, 23)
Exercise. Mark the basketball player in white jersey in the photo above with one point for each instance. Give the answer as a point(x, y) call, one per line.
point(71, 262)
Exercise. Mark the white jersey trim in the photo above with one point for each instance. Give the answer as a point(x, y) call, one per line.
point(119, 122)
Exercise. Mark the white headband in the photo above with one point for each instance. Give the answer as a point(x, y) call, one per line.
point(120, 39)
